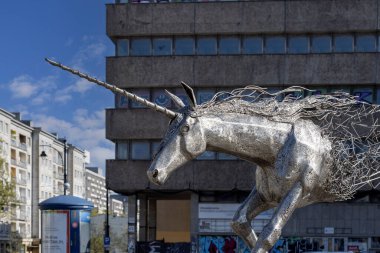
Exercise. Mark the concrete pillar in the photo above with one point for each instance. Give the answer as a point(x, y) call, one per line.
point(132, 211)
point(142, 214)
point(152, 219)
point(194, 223)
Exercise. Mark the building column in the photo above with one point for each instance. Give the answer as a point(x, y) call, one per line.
point(194, 221)
point(132, 228)
point(152, 219)
point(142, 214)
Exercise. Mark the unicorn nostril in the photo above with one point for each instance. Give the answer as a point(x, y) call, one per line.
point(155, 173)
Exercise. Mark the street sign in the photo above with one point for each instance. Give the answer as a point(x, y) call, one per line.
point(107, 242)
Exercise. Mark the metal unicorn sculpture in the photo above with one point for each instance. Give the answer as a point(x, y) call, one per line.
point(322, 148)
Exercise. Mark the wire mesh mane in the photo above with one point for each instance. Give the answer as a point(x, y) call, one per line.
point(351, 126)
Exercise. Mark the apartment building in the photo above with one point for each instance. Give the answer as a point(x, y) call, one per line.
point(117, 205)
point(96, 188)
point(77, 170)
point(221, 45)
point(16, 137)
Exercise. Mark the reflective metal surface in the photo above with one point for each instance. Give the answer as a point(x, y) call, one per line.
point(321, 148)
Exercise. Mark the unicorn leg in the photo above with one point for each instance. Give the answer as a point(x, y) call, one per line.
point(272, 231)
point(241, 223)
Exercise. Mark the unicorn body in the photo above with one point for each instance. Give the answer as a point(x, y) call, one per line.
point(318, 149)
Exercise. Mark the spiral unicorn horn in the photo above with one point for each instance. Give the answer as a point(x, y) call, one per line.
point(115, 89)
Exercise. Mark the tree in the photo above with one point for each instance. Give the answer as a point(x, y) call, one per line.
point(7, 187)
point(8, 200)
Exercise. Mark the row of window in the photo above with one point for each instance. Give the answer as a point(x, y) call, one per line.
point(235, 45)
point(4, 127)
point(368, 94)
point(172, 1)
point(146, 149)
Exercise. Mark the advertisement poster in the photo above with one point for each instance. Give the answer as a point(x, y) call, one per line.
point(84, 231)
point(55, 231)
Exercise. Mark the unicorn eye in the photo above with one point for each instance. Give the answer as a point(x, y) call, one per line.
point(185, 128)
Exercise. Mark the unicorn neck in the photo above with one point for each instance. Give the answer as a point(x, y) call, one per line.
point(253, 138)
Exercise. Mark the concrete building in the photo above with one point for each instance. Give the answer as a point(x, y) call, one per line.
point(77, 169)
point(214, 46)
point(96, 188)
point(117, 205)
point(16, 137)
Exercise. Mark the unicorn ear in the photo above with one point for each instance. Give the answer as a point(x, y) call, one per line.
point(177, 101)
point(190, 94)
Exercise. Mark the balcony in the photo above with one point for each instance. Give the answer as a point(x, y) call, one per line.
point(58, 190)
point(22, 199)
point(19, 145)
point(21, 181)
point(19, 163)
point(58, 175)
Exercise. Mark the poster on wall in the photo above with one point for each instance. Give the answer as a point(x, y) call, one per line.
point(218, 244)
point(225, 211)
point(55, 231)
point(84, 231)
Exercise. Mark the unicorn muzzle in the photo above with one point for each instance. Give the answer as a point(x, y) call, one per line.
point(155, 176)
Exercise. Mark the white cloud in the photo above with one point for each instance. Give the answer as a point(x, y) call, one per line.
point(86, 132)
point(25, 86)
point(22, 87)
point(93, 50)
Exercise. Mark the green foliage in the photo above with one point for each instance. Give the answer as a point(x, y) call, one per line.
point(7, 188)
point(97, 244)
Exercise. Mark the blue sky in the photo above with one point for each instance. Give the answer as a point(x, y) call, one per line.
point(72, 32)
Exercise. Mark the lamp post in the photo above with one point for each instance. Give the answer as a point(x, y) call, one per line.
point(107, 228)
point(43, 155)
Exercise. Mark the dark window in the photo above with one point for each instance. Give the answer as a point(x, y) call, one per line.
point(207, 155)
point(253, 45)
point(229, 45)
point(366, 43)
point(343, 43)
point(141, 47)
point(122, 47)
point(140, 150)
point(298, 44)
point(162, 46)
point(321, 44)
point(144, 93)
point(206, 46)
point(161, 98)
point(275, 45)
point(155, 147)
point(364, 94)
point(184, 46)
point(223, 156)
point(121, 101)
point(122, 150)
point(204, 95)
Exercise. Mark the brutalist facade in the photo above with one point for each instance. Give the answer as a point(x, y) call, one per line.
point(214, 46)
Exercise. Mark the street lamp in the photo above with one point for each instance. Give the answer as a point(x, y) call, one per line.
point(43, 155)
